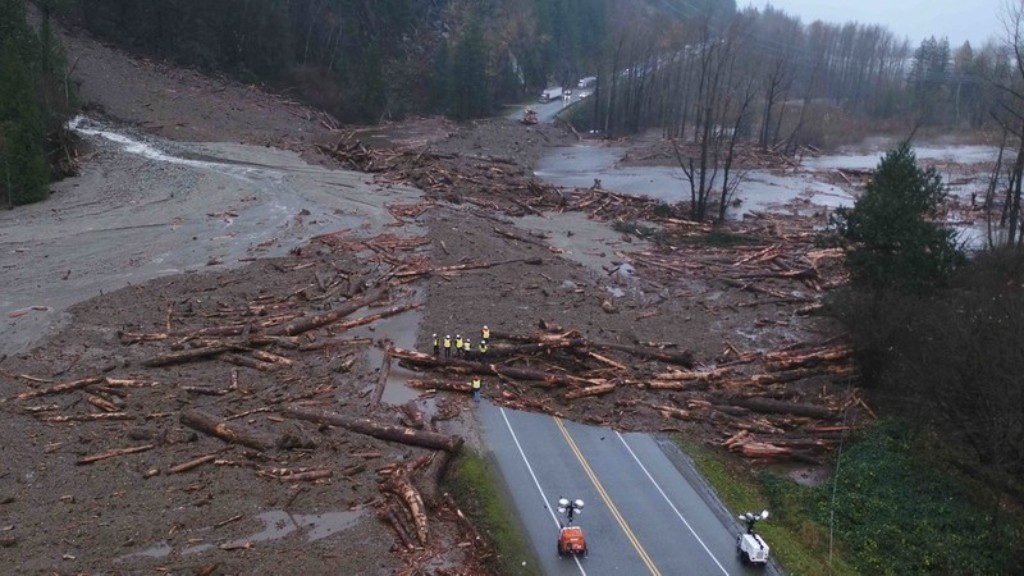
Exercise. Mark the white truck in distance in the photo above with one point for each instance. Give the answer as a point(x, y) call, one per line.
point(550, 94)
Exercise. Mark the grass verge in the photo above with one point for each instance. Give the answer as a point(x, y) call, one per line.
point(798, 544)
point(476, 487)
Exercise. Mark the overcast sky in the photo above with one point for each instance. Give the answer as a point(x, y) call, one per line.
point(958, 20)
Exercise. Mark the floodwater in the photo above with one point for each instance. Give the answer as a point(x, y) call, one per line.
point(805, 191)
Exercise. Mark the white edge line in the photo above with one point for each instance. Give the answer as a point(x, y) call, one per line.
point(536, 482)
point(673, 506)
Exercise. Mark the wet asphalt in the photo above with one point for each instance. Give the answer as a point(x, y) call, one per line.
point(646, 511)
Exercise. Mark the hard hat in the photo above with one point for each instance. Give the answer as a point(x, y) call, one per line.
point(447, 336)
point(485, 326)
point(435, 335)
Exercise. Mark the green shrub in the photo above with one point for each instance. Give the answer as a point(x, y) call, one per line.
point(899, 514)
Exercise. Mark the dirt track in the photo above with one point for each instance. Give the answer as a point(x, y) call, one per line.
point(194, 228)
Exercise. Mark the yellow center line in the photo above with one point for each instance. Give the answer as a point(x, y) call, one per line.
point(607, 499)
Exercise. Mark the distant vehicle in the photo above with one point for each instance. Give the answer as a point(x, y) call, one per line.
point(586, 82)
point(550, 94)
point(530, 116)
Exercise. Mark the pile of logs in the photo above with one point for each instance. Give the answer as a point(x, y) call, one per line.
point(750, 393)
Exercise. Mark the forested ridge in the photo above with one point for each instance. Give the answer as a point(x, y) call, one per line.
point(688, 68)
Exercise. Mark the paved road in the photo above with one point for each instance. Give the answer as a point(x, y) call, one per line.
point(641, 514)
point(547, 111)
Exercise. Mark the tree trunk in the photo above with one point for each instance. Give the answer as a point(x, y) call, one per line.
point(209, 424)
point(411, 436)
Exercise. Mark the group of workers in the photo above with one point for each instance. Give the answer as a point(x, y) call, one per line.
point(463, 348)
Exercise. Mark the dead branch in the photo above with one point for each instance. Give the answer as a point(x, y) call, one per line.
point(113, 454)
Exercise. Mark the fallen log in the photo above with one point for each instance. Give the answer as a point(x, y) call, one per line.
point(590, 391)
point(209, 424)
point(239, 360)
point(271, 358)
point(434, 475)
point(700, 376)
point(394, 310)
point(684, 358)
point(305, 324)
point(462, 267)
point(399, 484)
point(114, 454)
point(340, 342)
point(387, 515)
point(308, 476)
point(505, 350)
point(97, 417)
point(672, 412)
point(187, 356)
point(466, 367)
point(778, 361)
point(572, 339)
point(382, 378)
point(769, 406)
point(445, 385)
point(101, 403)
point(424, 438)
point(58, 389)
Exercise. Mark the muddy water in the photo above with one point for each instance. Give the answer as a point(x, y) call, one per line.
point(144, 208)
point(806, 191)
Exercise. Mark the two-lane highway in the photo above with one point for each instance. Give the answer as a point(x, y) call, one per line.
point(641, 515)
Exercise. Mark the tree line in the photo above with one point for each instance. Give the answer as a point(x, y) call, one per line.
point(367, 60)
point(36, 99)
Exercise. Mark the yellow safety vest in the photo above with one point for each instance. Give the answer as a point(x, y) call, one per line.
point(458, 343)
point(467, 346)
point(447, 342)
point(483, 347)
point(476, 383)
point(435, 342)
point(486, 332)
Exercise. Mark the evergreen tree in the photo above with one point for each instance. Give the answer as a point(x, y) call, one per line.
point(895, 244)
point(471, 96)
point(24, 175)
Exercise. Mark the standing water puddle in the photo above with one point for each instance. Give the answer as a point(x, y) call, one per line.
point(277, 524)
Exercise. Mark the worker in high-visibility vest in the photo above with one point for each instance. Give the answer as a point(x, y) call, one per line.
point(475, 385)
point(437, 345)
point(483, 349)
point(467, 349)
point(485, 333)
point(447, 346)
point(458, 345)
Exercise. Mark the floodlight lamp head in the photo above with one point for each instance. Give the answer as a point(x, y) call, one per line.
point(578, 504)
point(563, 502)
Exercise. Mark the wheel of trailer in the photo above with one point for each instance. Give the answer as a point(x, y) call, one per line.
point(560, 553)
point(744, 557)
point(586, 551)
